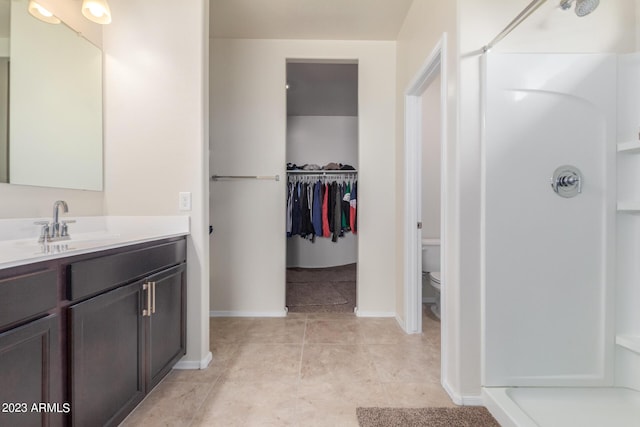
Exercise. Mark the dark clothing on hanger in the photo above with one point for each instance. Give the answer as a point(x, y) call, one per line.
point(337, 220)
point(296, 213)
point(317, 208)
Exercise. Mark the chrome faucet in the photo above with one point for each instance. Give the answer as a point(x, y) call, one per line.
point(57, 230)
point(55, 225)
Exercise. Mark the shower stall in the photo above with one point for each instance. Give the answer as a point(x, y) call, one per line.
point(561, 239)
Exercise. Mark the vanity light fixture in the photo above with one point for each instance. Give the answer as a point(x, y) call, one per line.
point(97, 11)
point(39, 12)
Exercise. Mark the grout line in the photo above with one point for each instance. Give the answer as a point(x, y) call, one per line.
point(199, 410)
point(304, 338)
point(296, 408)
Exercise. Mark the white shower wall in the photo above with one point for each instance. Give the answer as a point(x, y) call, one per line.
point(548, 261)
point(628, 224)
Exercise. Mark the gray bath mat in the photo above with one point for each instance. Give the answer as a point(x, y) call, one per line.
point(465, 416)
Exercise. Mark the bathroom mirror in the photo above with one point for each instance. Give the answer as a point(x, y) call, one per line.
point(51, 103)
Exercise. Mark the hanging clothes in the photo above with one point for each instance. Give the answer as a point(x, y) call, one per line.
point(346, 207)
point(305, 222)
point(317, 208)
point(353, 206)
point(337, 221)
point(289, 208)
point(326, 230)
point(296, 214)
point(320, 208)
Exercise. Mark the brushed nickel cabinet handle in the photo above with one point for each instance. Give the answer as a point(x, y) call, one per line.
point(153, 300)
point(147, 287)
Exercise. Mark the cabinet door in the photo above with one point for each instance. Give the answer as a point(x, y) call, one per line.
point(106, 361)
point(167, 342)
point(30, 374)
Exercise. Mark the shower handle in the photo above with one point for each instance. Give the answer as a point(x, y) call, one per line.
point(567, 181)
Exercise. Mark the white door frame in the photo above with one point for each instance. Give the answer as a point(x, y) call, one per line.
point(434, 65)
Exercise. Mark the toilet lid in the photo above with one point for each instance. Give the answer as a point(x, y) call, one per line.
point(435, 275)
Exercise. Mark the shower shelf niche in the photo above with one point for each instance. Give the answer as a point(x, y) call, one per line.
point(629, 207)
point(629, 147)
point(630, 342)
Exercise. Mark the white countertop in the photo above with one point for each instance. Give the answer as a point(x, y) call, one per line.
point(19, 237)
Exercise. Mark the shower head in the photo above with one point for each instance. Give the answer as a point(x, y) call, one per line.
point(583, 7)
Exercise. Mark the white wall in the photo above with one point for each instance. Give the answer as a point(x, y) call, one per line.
point(4, 111)
point(611, 28)
point(637, 24)
point(156, 114)
point(4, 47)
point(323, 252)
point(248, 78)
point(23, 201)
point(321, 140)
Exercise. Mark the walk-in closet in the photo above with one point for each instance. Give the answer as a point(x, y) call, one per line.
point(322, 184)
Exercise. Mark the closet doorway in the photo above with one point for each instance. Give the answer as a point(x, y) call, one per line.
point(322, 180)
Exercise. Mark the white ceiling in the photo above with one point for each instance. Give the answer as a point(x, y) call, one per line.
point(308, 19)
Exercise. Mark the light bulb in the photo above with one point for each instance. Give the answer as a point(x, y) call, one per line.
point(97, 11)
point(37, 11)
point(42, 11)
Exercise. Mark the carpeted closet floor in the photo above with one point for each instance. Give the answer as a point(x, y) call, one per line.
point(321, 290)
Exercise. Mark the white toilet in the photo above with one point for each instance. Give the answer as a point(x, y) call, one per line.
point(431, 267)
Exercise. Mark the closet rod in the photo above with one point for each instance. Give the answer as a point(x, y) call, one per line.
point(227, 177)
point(324, 172)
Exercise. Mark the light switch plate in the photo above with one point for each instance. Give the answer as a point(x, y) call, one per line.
point(184, 202)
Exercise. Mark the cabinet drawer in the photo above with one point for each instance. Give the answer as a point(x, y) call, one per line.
point(26, 296)
point(92, 276)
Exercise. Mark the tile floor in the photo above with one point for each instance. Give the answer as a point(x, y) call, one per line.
point(302, 370)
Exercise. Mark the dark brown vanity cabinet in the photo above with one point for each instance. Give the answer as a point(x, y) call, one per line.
point(30, 366)
point(84, 338)
point(125, 340)
point(166, 326)
point(106, 356)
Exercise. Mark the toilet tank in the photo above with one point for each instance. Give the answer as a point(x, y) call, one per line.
point(430, 255)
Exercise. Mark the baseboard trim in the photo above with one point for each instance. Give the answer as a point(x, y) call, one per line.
point(462, 400)
point(233, 313)
point(401, 323)
point(361, 313)
point(194, 364)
